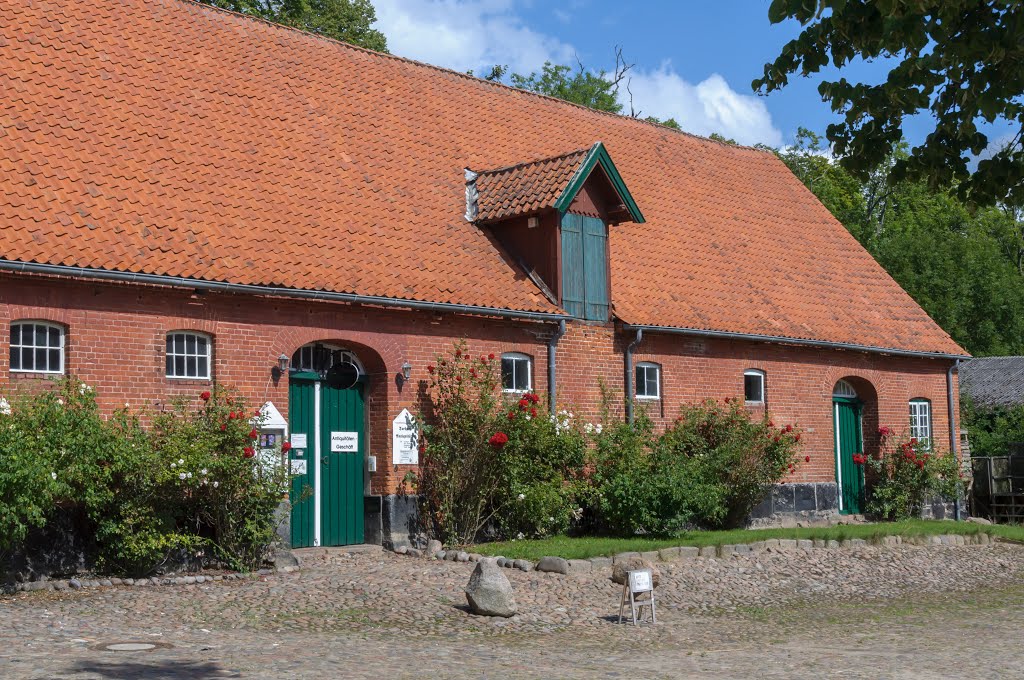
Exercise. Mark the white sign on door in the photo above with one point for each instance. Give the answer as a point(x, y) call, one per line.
point(405, 439)
point(298, 441)
point(298, 467)
point(344, 442)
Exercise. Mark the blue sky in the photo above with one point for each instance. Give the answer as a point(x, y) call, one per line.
point(694, 59)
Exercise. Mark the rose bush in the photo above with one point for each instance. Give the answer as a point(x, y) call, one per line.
point(490, 462)
point(904, 474)
point(183, 488)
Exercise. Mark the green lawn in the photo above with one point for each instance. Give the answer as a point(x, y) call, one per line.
point(596, 546)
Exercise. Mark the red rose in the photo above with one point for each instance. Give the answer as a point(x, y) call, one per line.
point(524, 402)
point(789, 428)
point(443, 362)
point(490, 356)
point(205, 396)
point(771, 423)
point(253, 433)
point(807, 459)
point(286, 447)
point(920, 465)
point(223, 427)
point(228, 401)
point(796, 437)
point(458, 378)
point(913, 441)
point(775, 439)
point(472, 372)
point(257, 413)
point(534, 398)
point(231, 416)
point(511, 415)
point(248, 452)
point(533, 413)
point(498, 440)
point(458, 353)
point(483, 359)
point(430, 369)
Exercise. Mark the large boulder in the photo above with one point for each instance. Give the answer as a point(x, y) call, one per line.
point(489, 593)
point(621, 569)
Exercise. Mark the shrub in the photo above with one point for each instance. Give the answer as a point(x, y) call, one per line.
point(493, 462)
point(904, 474)
point(708, 469)
point(993, 428)
point(145, 496)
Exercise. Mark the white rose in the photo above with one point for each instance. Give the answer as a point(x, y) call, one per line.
point(521, 496)
point(189, 475)
point(181, 461)
point(53, 475)
point(173, 465)
point(203, 471)
point(216, 484)
point(181, 475)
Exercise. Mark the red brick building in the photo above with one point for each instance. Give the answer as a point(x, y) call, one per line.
point(190, 197)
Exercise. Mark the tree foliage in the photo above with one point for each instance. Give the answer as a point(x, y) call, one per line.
point(959, 61)
point(962, 267)
point(346, 20)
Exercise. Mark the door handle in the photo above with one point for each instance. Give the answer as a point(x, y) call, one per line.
point(325, 461)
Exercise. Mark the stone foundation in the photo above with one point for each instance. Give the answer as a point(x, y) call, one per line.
point(798, 501)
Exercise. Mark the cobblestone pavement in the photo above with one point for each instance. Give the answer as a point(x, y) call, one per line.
point(903, 612)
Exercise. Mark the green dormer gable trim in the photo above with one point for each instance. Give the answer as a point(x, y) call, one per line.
point(598, 155)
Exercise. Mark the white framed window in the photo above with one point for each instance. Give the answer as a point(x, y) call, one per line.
point(753, 386)
point(37, 347)
point(188, 355)
point(516, 372)
point(921, 421)
point(648, 381)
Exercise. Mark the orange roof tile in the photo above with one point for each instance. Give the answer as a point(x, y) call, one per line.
point(527, 187)
point(165, 137)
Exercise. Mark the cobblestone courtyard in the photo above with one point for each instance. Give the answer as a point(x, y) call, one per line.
point(903, 612)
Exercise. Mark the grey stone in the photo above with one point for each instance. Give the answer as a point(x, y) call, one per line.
point(415, 552)
point(726, 550)
point(402, 550)
point(128, 581)
point(462, 556)
point(106, 582)
point(651, 555)
point(580, 566)
point(688, 552)
point(786, 544)
point(284, 558)
point(489, 592)
point(451, 556)
point(946, 539)
point(804, 497)
point(756, 546)
point(668, 554)
point(935, 540)
point(189, 580)
point(440, 554)
point(433, 546)
point(555, 565)
point(804, 544)
point(979, 520)
point(783, 498)
point(762, 510)
point(625, 556)
point(621, 569)
point(742, 549)
point(74, 583)
point(818, 542)
point(832, 544)
point(771, 543)
point(475, 557)
point(708, 551)
point(523, 565)
point(601, 562)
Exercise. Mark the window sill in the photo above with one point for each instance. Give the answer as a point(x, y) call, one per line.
point(644, 398)
point(526, 391)
point(18, 373)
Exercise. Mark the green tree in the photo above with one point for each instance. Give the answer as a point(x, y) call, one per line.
point(961, 61)
point(346, 20)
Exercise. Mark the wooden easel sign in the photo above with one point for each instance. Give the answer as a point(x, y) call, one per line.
point(638, 583)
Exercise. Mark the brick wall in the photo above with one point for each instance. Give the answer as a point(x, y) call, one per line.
point(116, 338)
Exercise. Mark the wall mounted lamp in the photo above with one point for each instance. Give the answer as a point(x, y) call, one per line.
point(406, 370)
point(282, 362)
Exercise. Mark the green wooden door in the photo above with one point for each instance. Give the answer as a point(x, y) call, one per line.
point(849, 441)
point(302, 422)
point(585, 267)
point(341, 465)
point(327, 496)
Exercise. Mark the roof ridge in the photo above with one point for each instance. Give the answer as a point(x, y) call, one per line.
point(523, 164)
point(472, 78)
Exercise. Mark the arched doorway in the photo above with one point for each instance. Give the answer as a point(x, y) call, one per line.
point(326, 405)
point(848, 415)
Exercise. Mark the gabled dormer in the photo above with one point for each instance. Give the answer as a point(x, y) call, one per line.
point(553, 216)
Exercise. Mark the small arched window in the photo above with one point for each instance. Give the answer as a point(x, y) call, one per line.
point(188, 355)
point(319, 357)
point(37, 347)
point(921, 421)
point(516, 372)
point(648, 380)
point(844, 390)
point(753, 386)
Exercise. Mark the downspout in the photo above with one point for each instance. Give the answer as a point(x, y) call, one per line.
point(630, 391)
point(552, 351)
point(953, 439)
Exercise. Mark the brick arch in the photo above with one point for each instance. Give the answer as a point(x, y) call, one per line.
point(378, 357)
point(868, 393)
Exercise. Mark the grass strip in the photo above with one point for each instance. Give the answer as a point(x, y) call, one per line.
point(583, 547)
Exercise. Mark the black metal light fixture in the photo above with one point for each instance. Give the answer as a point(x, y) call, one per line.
point(282, 362)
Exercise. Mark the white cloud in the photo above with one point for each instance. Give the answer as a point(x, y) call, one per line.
point(466, 34)
point(709, 106)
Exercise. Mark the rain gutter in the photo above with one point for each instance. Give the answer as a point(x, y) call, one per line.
point(954, 447)
point(552, 352)
point(630, 387)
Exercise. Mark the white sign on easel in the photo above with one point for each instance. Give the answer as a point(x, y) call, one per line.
point(637, 583)
point(405, 439)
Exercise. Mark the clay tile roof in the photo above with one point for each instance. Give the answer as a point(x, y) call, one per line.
point(171, 138)
point(993, 381)
point(527, 187)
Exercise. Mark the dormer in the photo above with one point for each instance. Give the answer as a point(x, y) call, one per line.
point(553, 215)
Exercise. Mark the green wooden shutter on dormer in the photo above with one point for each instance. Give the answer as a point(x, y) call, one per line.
point(585, 267)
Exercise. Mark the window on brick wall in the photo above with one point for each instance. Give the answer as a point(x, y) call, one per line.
point(516, 372)
point(37, 347)
point(753, 386)
point(921, 421)
point(648, 381)
point(188, 355)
